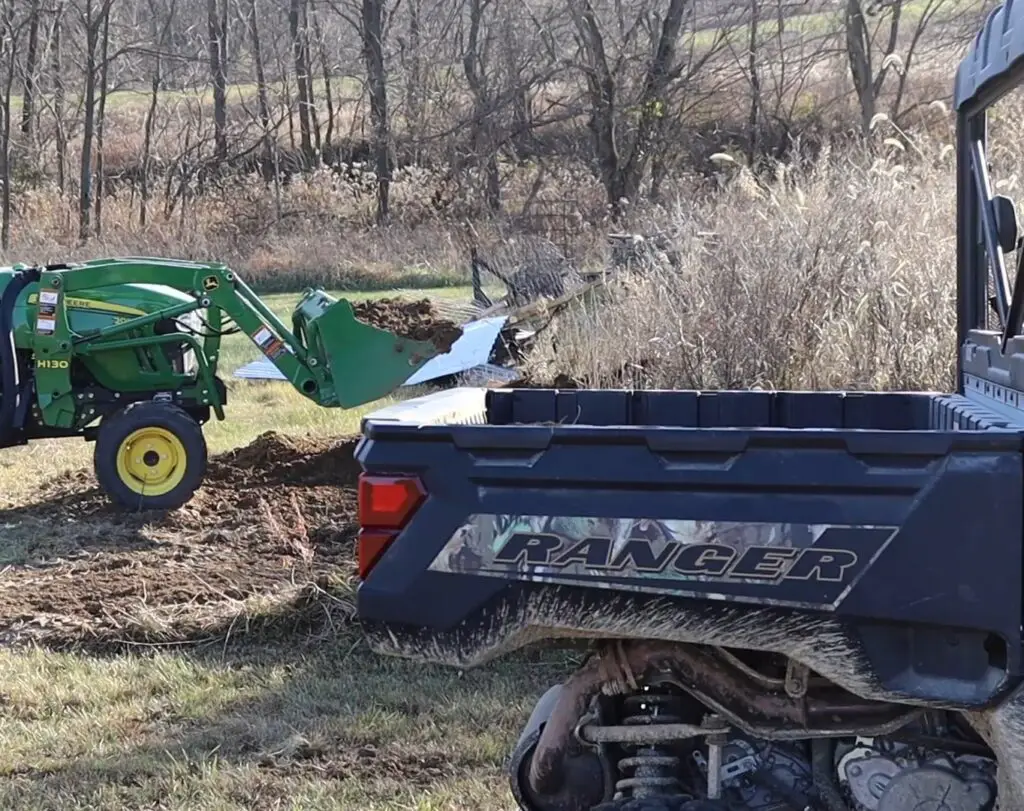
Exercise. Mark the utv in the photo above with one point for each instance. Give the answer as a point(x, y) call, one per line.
point(793, 600)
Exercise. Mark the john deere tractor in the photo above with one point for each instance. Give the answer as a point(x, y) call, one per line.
point(124, 352)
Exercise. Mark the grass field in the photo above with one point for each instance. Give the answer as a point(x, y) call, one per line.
point(277, 719)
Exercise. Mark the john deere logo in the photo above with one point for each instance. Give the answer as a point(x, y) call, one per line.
point(210, 283)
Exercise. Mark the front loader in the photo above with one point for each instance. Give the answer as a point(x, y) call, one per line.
point(124, 352)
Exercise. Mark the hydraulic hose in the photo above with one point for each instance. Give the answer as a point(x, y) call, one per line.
point(10, 374)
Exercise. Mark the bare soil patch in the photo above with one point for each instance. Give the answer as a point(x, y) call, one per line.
point(272, 519)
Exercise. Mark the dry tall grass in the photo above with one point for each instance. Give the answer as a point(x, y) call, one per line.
point(838, 274)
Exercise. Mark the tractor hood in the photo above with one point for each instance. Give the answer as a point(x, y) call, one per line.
point(94, 309)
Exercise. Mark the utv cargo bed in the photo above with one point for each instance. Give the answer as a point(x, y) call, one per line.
point(898, 515)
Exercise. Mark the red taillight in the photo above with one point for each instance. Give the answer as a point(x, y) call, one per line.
point(372, 543)
point(386, 503)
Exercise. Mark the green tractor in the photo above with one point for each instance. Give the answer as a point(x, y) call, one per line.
point(124, 352)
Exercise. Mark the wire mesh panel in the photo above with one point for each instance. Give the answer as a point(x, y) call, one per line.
point(559, 222)
point(529, 268)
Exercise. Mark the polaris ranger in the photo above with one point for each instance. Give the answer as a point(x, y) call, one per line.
point(794, 600)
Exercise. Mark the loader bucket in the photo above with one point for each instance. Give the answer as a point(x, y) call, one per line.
point(365, 363)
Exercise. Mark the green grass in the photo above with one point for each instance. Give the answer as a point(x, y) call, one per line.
point(236, 93)
point(824, 22)
point(288, 728)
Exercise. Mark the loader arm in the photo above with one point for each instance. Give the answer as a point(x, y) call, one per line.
point(331, 357)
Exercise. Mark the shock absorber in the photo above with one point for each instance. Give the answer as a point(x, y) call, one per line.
point(649, 770)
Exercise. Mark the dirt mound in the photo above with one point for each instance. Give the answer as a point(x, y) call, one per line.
point(416, 320)
point(270, 519)
point(274, 458)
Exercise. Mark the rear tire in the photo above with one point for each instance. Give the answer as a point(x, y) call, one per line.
point(150, 456)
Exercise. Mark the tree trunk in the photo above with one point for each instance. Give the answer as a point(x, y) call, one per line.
point(10, 43)
point(101, 114)
point(623, 162)
point(161, 34)
point(58, 99)
point(301, 77)
point(88, 125)
point(522, 115)
point(147, 142)
point(753, 67)
point(376, 75)
point(414, 94)
point(216, 21)
point(483, 146)
point(261, 92)
point(858, 51)
point(314, 118)
point(326, 70)
point(31, 57)
point(601, 99)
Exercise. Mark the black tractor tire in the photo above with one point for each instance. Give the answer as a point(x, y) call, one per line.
point(162, 444)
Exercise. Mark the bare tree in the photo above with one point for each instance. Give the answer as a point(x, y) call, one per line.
point(160, 31)
point(31, 56)
point(297, 25)
point(9, 51)
point(101, 119)
point(94, 18)
point(477, 43)
point(411, 52)
point(623, 128)
point(637, 72)
point(754, 70)
point(217, 27)
point(371, 30)
point(325, 68)
point(874, 30)
point(58, 96)
point(261, 91)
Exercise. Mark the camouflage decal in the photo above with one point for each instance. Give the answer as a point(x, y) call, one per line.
point(805, 565)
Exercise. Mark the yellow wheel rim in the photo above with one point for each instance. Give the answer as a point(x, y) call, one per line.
point(151, 461)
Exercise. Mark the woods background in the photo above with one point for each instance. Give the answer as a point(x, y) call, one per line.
point(195, 119)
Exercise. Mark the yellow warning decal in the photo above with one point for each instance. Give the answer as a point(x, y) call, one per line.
point(89, 304)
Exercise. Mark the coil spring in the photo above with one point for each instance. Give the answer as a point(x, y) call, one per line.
point(651, 769)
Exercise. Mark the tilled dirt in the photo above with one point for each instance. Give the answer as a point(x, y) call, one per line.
point(272, 520)
point(416, 320)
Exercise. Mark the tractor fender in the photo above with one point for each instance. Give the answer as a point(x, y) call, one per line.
point(10, 378)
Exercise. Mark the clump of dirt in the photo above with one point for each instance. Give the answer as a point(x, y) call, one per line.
point(271, 519)
point(416, 320)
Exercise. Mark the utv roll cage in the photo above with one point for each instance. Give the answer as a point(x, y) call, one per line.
point(987, 226)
